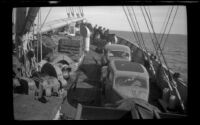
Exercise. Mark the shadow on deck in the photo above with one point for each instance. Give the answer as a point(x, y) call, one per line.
point(87, 89)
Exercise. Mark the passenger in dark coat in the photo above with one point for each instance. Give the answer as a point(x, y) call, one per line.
point(106, 34)
point(94, 33)
point(103, 33)
point(99, 31)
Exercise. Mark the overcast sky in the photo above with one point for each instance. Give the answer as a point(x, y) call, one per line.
point(114, 18)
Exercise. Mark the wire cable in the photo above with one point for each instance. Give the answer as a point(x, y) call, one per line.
point(170, 28)
point(45, 18)
point(134, 33)
point(130, 25)
point(166, 25)
point(134, 26)
point(139, 29)
point(169, 74)
point(150, 35)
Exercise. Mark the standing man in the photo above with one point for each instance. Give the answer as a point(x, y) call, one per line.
point(103, 33)
point(106, 35)
point(94, 33)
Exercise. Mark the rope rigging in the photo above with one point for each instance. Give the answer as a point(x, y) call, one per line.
point(40, 37)
point(166, 26)
point(134, 26)
point(150, 14)
point(169, 74)
point(81, 10)
point(136, 36)
point(155, 36)
point(77, 12)
point(153, 42)
point(45, 17)
point(130, 25)
point(39, 32)
point(164, 22)
point(157, 40)
point(139, 29)
point(169, 28)
point(150, 32)
point(174, 85)
point(129, 21)
point(72, 11)
point(68, 12)
point(151, 20)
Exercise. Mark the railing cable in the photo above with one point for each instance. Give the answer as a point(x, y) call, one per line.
point(134, 26)
point(130, 25)
point(139, 30)
point(170, 28)
point(169, 74)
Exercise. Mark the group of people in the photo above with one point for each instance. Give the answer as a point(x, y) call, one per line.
point(155, 74)
point(102, 36)
point(100, 33)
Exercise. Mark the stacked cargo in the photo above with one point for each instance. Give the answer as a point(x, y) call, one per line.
point(70, 46)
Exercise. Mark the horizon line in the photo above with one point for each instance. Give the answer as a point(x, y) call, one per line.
point(147, 32)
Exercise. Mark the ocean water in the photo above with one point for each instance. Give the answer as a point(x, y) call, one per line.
point(175, 50)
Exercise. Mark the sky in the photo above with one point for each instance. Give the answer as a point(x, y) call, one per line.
point(114, 18)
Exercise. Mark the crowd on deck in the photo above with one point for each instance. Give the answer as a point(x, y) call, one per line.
point(104, 34)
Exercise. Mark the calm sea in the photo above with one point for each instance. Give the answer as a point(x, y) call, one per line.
point(175, 49)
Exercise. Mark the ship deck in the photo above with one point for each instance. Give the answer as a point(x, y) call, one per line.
point(27, 108)
point(87, 89)
point(86, 92)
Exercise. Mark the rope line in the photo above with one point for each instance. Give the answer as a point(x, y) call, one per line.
point(135, 28)
point(130, 24)
point(150, 14)
point(166, 25)
point(150, 35)
point(169, 74)
point(45, 17)
point(164, 22)
point(139, 29)
point(170, 28)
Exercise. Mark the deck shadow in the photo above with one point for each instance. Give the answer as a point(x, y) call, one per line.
point(84, 96)
point(92, 71)
point(154, 94)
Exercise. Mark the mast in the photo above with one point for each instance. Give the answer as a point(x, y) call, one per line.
point(40, 35)
point(32, 13)
point(20, 16)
